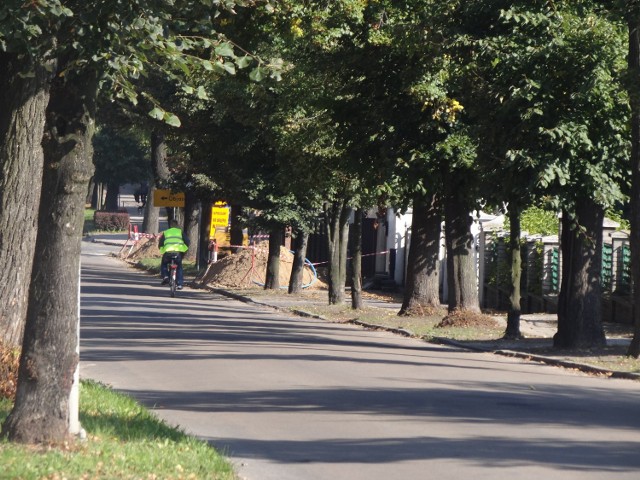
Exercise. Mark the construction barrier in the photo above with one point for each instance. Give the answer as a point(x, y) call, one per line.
point(134, 237)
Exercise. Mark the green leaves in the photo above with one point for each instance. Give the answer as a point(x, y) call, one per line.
point(30, 27)
point(244, 62)
point(259, 73)
point(225, 49)
point(167, 117)
point(545, 94)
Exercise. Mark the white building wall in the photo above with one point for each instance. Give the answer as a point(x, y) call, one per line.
point(397, 240)
point(398, 236)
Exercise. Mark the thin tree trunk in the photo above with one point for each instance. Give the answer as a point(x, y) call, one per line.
point(191, 219)
point(356, 262)
point(49, 358)
point(423, 282)
point(205, 232)
point(580, 298)
point(23, 101)
point(336, 220)
point(272, 281)
point(299, 255)
point(634, 201)
point(151, 222)
point(91, 188)
point(513, 315)
point(461, 265)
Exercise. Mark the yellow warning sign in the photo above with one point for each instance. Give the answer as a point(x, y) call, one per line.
point(219, 218)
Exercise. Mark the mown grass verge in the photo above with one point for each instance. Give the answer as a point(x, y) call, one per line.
point(124, 441)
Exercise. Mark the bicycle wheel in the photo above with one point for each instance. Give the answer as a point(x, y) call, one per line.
point(172, 279)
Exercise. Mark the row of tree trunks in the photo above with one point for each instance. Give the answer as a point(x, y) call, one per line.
point(422, 290)
point(23, 102)
point(49, 358)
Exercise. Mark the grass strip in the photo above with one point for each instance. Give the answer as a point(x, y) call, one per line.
point(124, 441)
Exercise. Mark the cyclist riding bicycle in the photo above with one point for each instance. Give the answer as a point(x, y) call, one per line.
point(172, 242)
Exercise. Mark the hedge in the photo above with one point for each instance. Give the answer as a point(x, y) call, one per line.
point(111, 221)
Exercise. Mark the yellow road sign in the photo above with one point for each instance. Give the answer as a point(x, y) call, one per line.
point(219, 217)
point(167, 198)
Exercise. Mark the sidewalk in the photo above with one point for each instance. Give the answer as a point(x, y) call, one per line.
point(538, 329)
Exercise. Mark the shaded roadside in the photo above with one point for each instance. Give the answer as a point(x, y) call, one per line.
point(537, 329)
point(381, 309)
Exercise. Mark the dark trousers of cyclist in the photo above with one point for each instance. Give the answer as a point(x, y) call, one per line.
point(164, 266)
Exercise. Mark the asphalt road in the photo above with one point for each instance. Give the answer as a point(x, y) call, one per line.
point(291, 398)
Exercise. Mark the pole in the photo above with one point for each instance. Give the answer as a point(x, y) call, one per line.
point(74, 396)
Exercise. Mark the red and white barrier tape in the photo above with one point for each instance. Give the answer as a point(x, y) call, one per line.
point(349, 258)
point(135, 235)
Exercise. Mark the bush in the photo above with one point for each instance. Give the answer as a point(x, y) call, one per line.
point(111, 221)
point(9, 361)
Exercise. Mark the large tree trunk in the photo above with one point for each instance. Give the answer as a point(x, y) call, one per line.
point(23, 101)
point(356, 261)
point(191, 227)
point(462, 280)
point(272, 281)
point(113, 195)
point(151, 222)
point(513, 315)
point(337, 224)
point(299, 255)
point(580, 299)
point(49, 358)
point(204, 239)
point(422, 291)
point(634, 95)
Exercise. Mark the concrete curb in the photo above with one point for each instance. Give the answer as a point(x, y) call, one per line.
point(541, 359)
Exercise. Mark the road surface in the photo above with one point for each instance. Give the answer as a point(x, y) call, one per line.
point(289, 398)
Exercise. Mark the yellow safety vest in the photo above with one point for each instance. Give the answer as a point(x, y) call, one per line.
point(173, 241)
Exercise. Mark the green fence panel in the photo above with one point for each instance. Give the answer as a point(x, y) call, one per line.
point(555, 270)
point(606, 274)
point(625, 269)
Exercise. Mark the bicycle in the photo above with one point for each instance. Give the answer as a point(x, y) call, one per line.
point(173, 273)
